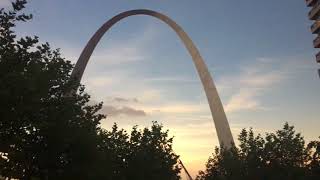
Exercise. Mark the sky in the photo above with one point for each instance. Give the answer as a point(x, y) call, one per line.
point(259, 53)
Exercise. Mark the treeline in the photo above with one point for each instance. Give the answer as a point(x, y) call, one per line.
point(282, 155)
point(47, 135)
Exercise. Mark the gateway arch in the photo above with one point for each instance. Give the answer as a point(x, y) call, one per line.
point(217, 111)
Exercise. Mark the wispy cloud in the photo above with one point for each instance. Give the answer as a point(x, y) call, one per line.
point(243, 100)
point(176, 79)
point(114, 53)
point(96, 82)
point(125, 110)
point(119, 55)
point(176, 108)
point(126, 100)
point(5, 3)
point(255, 80)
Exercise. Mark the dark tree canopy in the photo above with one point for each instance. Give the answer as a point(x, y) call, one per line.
point(281, 155)
point(45, 134)
point(42, 132)
point(144, 154)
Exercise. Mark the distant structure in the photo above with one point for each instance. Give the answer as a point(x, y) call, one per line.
point(217, 111)
point(314, 15)
point(185, 170)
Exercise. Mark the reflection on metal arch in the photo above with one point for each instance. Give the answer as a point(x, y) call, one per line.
point(217, 111)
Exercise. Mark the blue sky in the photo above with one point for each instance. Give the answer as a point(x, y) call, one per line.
point(259, 52)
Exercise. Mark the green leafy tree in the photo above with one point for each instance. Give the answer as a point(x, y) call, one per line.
point(281, 155)
point(284, 154)
point(42, 132)
point(225, 164)
point(313, 159)
point(45, 134)
point(144, 154)
point(115, 149)
point(151, 155)
point(251, 151)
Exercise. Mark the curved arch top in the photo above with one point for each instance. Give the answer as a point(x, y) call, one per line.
point(217, 111)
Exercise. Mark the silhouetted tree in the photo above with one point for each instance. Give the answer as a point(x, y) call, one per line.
point(151, 155)
point(43, 133)
point(144, 154)
point(281, 155)
point(313, 159)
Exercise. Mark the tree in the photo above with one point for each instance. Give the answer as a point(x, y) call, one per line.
point(45, 134)
point(225, 164)
point(42, 132)
point(151, 155)
point(280, 155)
point(144, 154)
point(284, 153)
point(313, 159)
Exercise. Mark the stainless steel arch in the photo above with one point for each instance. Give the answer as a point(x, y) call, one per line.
point(217, 111)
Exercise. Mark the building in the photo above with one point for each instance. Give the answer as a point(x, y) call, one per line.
point(314, 15)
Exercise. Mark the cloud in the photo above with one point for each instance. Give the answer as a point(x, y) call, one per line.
point(119, 55)
point(243, 100)
point(113, 51)
point(96, 82)
point(178, 108)
point(175, 79)
point(5, 3)
point(125, 110)
point(125, 100)
point(255, 80)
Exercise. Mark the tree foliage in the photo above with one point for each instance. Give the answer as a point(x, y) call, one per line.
point(42, 132)
point(47, 135)
point(280, 155)
point(144, 154)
